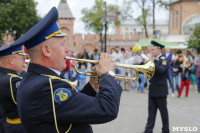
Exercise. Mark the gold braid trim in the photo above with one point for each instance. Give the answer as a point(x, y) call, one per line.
point(53, 103)
point(53, 34)
point(11, 89)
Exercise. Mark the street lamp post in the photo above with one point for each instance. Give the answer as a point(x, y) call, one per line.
point(105, 26)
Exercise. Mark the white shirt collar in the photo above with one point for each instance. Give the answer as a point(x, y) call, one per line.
point(157, 58)
point(56, 71)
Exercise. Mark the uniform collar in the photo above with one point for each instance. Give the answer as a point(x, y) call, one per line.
point(6, 70)
point(56, 71)
point(35, 68)
point(157, 58)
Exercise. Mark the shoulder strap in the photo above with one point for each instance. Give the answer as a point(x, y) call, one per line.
point(11, 89)
point(55, 77)
point(53, 103)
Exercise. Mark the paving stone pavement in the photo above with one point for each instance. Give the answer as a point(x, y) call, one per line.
point(132, 117)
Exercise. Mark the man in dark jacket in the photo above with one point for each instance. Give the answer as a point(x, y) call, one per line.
point(11, 64)
point(47, 103)
point(158, 90)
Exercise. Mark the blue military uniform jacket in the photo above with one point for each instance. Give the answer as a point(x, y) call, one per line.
point(74, 113)
point(7, 101)
point(158, 84)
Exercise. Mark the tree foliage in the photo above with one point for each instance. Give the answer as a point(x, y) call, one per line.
point(159, 3)
point(194, 39)
point(142, 19)
point(94, 17)
point(17, 16)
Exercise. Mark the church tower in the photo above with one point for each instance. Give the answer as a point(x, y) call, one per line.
point(66, 21)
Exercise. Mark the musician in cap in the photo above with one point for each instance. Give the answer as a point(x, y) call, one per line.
point(11, 65)
point(49, 104)
point(158, 90)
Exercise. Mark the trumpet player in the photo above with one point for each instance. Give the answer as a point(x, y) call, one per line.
point(158, 90)
point(11, 65)
point(49, 104)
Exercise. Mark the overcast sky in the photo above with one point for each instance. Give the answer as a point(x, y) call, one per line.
point(77, 5)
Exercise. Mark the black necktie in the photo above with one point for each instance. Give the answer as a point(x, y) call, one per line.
point(62, 76)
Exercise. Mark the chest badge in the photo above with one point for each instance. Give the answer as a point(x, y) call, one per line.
point(62, 95)
point(18, 84)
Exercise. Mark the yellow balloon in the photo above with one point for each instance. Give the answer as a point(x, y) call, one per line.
point(136, 48)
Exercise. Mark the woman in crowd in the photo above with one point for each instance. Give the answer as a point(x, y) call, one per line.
point(174, 69)
point(185, 78)
point(189, 57)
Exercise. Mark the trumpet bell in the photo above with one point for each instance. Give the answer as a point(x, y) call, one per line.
point(74, 84)
point(149, 69)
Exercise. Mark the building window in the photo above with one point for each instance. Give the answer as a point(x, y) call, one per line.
point(134, 30)
point(74, 44)
point(173, 20)
point(177, 16)
point(126, 28)
point(142, 30)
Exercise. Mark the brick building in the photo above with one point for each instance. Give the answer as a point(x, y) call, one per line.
point(79, 42)
point(182, 17)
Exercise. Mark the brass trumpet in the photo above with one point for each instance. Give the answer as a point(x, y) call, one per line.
point(148, 69)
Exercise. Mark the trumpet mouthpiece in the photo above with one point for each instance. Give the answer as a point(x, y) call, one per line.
point(70, 58)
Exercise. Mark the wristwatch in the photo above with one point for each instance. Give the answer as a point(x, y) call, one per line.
point(110, 73)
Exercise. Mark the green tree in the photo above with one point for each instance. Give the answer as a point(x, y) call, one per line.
point(194, 39)
point(161, 4)
point(142, 19)
point(17, 16)
point(94, 17)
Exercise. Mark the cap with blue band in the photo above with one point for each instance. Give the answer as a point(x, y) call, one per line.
point(43, 30)
point(8, 50)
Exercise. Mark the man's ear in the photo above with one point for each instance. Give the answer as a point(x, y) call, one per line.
point(11, 59)
point(46, 50)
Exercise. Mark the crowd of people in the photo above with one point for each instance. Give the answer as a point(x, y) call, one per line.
point(184, 68)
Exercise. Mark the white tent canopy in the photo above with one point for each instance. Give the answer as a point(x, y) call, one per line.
point(180, 46)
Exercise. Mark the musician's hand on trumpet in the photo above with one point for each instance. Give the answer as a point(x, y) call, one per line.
point(93, 83)
point(105, 64)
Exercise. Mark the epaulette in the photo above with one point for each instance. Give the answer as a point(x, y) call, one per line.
point(73, 85)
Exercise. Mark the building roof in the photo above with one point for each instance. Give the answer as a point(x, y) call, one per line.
point(64, 10)
point(130, 22)
point(177, 1)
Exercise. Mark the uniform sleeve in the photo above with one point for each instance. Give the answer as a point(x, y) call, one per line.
point(160, 68)
point(81, 108)
point(88, 90)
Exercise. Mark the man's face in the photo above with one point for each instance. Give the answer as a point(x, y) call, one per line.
point(58, 55)
point(167, 50)
point(155, 51)
point(18, 61)
point(95, 52)
point(117, 49)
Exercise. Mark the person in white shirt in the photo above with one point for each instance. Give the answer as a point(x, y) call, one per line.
point(117, 57)
point(126, 72)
